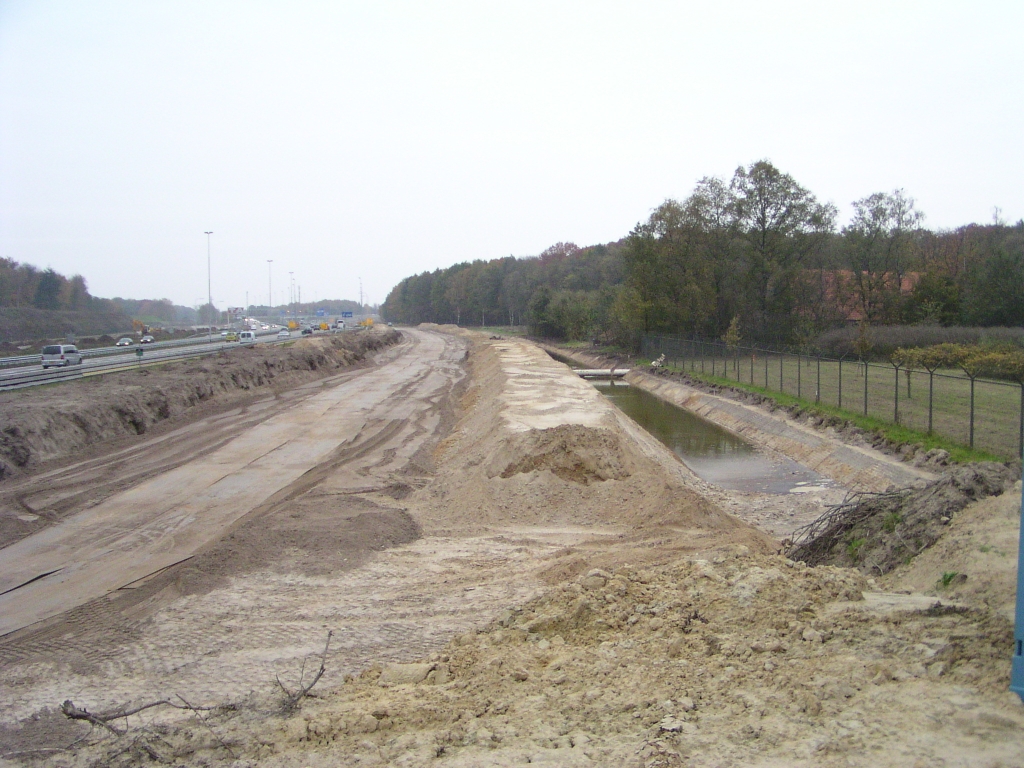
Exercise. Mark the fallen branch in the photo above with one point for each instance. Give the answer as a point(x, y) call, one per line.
point(812, 542)
point(70, 711)
point(200, 718)
point(293, 698)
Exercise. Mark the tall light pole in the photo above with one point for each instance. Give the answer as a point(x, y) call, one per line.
point(270, 286)
point(209, 284)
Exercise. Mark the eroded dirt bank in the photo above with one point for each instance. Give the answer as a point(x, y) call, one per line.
point(46, 423)
point(69, 446)
point(605, 612)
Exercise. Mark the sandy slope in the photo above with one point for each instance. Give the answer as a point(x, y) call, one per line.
point(604, 612)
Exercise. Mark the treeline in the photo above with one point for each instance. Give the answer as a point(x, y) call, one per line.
point(154, 311)
point(42, 302)
point(305, 308)
point(23, 285)
point(758, 250)
point(565, 292)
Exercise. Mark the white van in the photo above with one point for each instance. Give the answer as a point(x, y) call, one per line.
point(61, 355)
point(247, 337)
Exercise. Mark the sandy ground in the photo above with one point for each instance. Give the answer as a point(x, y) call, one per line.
point(605, 608)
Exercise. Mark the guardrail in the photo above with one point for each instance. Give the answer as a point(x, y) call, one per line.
point(19, 361)
point(41, 376)
point(38, 376)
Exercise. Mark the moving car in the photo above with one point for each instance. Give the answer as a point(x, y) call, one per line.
point(247, 337)
point(284, 333)
point(231, 336)
point(124, 341)
point(61, 355)
point(146, 340)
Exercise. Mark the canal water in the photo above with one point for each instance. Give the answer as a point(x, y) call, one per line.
point(712, 453)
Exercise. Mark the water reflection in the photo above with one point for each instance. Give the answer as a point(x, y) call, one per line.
point(714, 454)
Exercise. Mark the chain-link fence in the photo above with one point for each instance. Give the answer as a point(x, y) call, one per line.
point(981, 413)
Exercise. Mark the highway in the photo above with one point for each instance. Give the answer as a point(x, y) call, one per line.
point(26, 371)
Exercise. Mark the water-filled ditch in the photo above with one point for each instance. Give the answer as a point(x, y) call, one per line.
point(712, 453)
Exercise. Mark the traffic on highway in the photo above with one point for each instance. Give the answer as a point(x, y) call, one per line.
point(26, 370)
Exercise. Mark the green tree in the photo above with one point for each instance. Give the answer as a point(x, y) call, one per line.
point(995, 293)
point(879, 248)
point(780, 225)
point(48, 290)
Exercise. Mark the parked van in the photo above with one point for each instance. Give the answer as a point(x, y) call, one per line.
point(61, 355)
point(247, 337)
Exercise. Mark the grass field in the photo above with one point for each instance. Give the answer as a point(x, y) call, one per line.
point(869, 390)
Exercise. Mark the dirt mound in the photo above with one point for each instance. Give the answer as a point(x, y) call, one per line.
point(51, 422)
point(642, 652)
point(975, 559)
point(877, 532)
point(310, 539)
point(539, 446)
point(733, 660)
point(571, 452)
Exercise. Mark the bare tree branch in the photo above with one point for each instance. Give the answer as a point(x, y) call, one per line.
point(201, 719)
point(293, 698)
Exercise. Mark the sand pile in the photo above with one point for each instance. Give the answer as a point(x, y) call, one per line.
point(540, 447)
point(738, 659)
point(743, 660)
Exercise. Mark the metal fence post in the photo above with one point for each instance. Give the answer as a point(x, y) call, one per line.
point(931, 377)
point(972, 412)
point(766, 369)
point(896, 398)
point(1017, 670)
point(782, 364)
point(840, 382)
point(865, 386)
point(817, 390)
point(799, 361)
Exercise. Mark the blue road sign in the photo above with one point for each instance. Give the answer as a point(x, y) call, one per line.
point(346, 314)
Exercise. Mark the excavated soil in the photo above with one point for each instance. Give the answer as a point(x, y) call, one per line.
point(876, 533)
point(97, 423)
point(575, 596)
point(46, 423)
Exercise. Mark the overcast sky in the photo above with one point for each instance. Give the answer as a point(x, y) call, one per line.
point(380, 139)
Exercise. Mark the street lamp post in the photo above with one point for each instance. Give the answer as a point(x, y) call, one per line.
point(270, 285)
point(209, 284)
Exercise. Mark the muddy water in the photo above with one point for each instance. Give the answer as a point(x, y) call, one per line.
point(713, 454)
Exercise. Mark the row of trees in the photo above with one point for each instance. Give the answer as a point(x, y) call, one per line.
point(566, 292)
point(22, 285)
point(759, 249)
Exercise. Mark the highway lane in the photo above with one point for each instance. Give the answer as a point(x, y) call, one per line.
point(97, 364)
